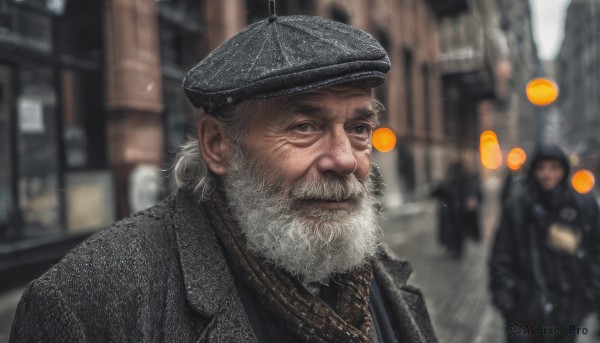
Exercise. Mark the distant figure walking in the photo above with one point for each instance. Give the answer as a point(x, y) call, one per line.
point(460, 199)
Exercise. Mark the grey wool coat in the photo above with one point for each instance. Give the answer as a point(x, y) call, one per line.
point(161, 276)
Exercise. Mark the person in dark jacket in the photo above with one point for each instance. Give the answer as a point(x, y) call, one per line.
point(544, 265)
point(458, 213)
point(273, 234)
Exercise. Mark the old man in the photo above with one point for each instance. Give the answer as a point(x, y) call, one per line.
point(272, 235)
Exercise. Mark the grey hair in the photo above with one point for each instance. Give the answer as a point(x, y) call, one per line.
point(191, 172)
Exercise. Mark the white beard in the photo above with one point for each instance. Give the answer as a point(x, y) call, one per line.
point(308, 242)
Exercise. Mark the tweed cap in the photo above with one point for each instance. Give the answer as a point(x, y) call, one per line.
point(284, 56)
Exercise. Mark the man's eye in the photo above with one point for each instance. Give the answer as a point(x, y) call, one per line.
point(304, 127)
point(361, 129)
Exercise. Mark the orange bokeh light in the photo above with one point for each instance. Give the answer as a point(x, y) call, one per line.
point(384, 139)
point(489, 150)
point(541, 91)
point(515, 158)
point(583, 181)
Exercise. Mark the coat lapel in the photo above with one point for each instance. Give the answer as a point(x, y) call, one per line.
point(209, 285)
point(406, 302)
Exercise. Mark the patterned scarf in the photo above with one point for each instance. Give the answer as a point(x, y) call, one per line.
point(301, 314)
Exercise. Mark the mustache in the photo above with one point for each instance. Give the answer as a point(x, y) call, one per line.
point(347, 188)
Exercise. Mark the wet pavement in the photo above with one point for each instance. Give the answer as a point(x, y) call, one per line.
point(455, 291)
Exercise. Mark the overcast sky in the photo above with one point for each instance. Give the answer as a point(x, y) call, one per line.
point(548, 25)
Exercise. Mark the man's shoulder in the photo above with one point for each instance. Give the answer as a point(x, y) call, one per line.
point(136, 235)
point(130, 251)
point(124, 278)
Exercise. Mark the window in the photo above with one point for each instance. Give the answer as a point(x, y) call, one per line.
point(83, 119)
point(26, 27)
point(79, 33)
point(38, 160)
point(52, 121)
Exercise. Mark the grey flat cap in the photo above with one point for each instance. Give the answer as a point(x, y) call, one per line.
point(285, 56)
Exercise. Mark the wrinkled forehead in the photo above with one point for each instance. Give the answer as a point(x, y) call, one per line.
point(355, 97)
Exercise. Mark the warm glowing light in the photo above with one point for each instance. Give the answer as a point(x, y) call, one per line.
point(583, 181)
point(515, 158)
point(541, 91)
point(384, 139)
point(489, 150)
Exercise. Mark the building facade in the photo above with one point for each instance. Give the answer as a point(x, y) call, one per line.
point(525, 121)
point(578, 69)
point(487, 57)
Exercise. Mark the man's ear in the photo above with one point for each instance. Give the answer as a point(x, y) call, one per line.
point(213, 144)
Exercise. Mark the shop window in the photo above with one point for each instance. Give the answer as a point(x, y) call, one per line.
point(54, 176)
point(38, 160)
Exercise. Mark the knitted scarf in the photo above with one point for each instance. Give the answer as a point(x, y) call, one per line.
point(303, 315)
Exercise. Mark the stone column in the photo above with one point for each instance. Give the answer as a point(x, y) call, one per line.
point(133, 91)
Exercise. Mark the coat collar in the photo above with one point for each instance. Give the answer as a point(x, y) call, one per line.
point(393, 267)
point(209, 285)
point(406, 302)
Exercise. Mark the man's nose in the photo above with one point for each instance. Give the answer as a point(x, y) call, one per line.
point(337, 155)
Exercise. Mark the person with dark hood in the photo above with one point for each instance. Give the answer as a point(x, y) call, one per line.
point(544, 265)
point(273, 234)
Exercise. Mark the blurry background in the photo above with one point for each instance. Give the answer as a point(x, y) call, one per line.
point(92, 112)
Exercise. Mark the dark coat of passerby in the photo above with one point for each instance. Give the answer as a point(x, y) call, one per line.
point(458, 213)
point(511, 182)
point(272, 235)
point(544, 265)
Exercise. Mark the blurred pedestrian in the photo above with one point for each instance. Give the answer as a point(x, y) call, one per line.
point(544, 266)
point(458, 212)
point(272, 235)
